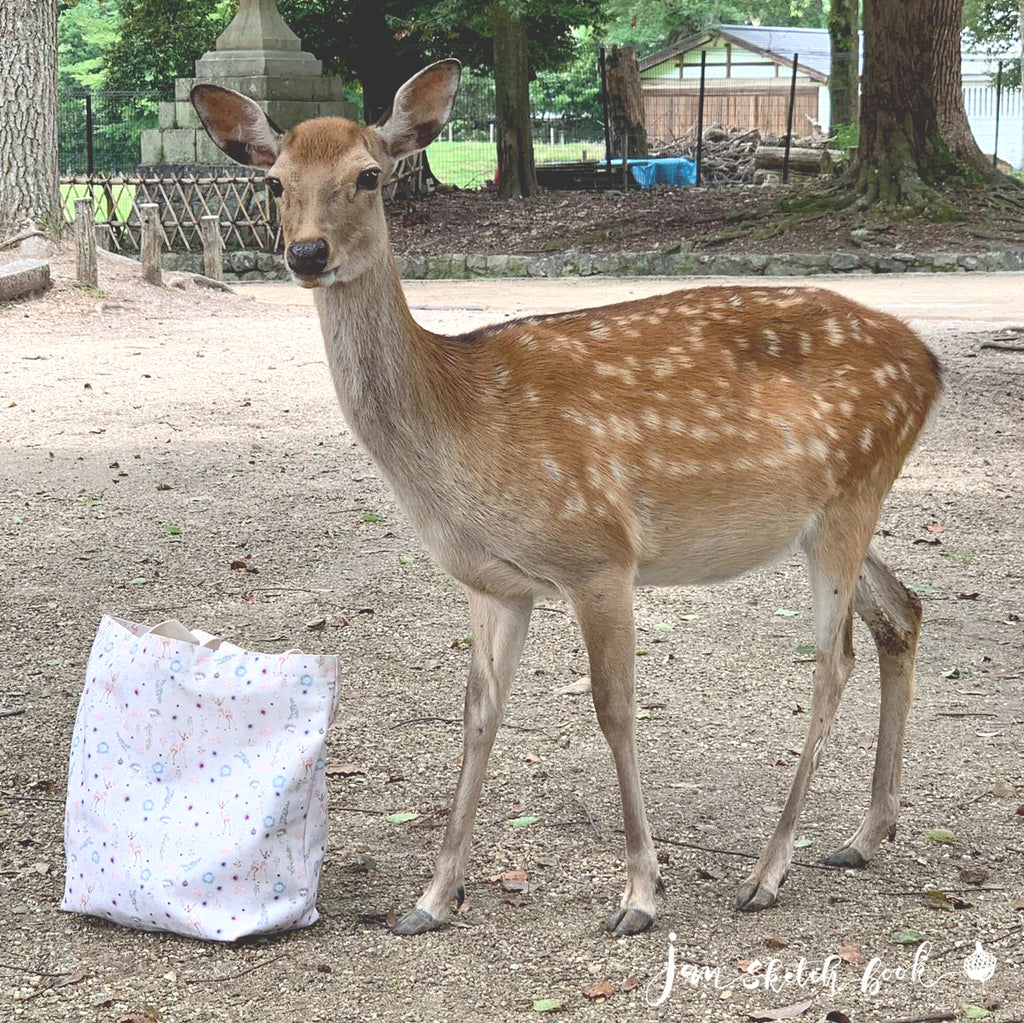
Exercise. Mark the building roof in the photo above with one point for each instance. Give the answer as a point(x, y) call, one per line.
point(811, 45)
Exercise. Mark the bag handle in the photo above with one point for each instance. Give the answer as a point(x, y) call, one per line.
point(173, 629)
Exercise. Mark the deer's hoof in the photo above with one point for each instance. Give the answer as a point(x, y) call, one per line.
point(753, 897)
point(847, 857)
point(629, 921)
point(416, 921)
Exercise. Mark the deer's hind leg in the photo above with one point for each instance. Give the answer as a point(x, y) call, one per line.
point(893, 615)
point(835, 547)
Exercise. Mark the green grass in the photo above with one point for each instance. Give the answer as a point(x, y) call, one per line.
point(123, 197)
point(474, 164)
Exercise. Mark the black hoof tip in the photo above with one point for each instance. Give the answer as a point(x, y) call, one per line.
point(846, 858)
point(629, 921)
point(416, 921)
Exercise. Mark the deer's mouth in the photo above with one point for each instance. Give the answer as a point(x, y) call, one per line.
point(320, 280)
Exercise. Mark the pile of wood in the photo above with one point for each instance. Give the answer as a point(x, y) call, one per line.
point(746, 156)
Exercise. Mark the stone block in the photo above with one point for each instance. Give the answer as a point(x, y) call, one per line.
point(221, 64)
point(844, 261)
point(288, 113)
point(179, 145)
point(328, 89)
point(23, 277)
point(185, 116)
point(151, 144)
point(338, 109)
point(167, 115)
point(182, 88)
point(208, 154)
point(476, 265)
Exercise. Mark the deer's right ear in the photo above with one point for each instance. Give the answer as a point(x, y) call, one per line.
point(238, 125)
point(421, 108)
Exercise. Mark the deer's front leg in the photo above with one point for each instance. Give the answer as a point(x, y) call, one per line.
point(605, 613)
point(499, 632)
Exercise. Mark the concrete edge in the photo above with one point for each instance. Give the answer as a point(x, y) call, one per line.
point(254, 266)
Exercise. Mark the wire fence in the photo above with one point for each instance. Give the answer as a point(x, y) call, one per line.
point(99, 132)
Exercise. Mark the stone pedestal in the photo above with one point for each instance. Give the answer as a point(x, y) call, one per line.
point(259, 56)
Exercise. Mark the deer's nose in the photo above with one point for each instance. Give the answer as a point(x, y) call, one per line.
point(308, 257)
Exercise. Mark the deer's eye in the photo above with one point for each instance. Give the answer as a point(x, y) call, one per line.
point(274, 187)
point(367, 181)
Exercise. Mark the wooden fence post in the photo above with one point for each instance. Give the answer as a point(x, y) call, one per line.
point(213, 247)
point(150, 246)
point(85, 244)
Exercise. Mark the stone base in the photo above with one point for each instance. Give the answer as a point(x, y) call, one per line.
point(23, 277)
point(218, 64)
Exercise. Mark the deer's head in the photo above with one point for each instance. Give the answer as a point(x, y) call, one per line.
point(327, 173)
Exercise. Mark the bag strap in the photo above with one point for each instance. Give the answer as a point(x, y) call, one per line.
point(173, 629)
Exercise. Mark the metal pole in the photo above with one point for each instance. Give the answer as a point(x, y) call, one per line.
point(789, 121)
point(999, 101)
point(604, 107)
point(89, 155)
point(700, 115)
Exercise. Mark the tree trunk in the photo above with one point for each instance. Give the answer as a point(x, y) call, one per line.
point(954, 127)
point(517, 176)
point(902, 151)
point(625, 103)
point(844, 79)
point(29, 179)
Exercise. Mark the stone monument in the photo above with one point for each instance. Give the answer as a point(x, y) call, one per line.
point(257, 55)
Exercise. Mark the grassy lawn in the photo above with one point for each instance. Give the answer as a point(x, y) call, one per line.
point(473, 164)
point(121, 196)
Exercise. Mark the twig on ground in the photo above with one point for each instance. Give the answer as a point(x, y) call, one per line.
point(426, 720)
point(34, 972)
point(358, 809)
point(934, 1017)
point(235, 976)
point(727, 852)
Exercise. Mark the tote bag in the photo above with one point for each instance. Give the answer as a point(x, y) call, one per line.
point(197, 797)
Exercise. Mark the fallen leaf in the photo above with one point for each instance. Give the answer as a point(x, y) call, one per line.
point(334, 770)
point(973, 1012)
point(750, 966)
point(511, 880)
point(786, 1012)
point(547, 1005)
point(630, 983)
point(907, 937)
point(531, 757)
point(935, 899)
point(576, 688)
point(317, 625)
point(785, 612)
point(803, 843)
point(523, 822)
point(922, 541)
point(941, 836)
point(773, 940)
point(935, 528)
point(1020, 810)
point(850, 952)
point(967, 596)
point(402, 818)
point(835, 1016)
point(75, 978)
point(599, 992)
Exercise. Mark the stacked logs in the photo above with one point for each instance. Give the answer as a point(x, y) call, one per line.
point(746, 156)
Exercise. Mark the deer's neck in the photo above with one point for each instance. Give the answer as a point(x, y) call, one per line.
point(375, 351)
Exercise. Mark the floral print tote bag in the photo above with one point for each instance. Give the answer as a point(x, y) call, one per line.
point(197, 797)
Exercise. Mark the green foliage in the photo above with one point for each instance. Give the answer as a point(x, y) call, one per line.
point(84, 32)
point(993, 26)
point(160, 40)
point(845, 135)
point(650, 24)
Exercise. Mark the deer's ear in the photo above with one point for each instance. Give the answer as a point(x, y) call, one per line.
point(238, 125)
point(420, 110)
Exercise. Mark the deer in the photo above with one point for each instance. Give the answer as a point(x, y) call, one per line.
point(679, 440)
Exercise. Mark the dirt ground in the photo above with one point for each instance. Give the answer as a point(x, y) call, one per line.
point(124, 412)
point(736, 219)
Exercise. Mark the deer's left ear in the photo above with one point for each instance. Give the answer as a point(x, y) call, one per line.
point(420, 110)
point(238, 125)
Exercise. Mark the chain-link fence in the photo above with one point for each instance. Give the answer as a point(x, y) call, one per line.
point(98, 132)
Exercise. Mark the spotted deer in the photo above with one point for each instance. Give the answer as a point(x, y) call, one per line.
point(677, 440)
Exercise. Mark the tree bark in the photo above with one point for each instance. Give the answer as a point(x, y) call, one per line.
point(844, 78)
point(29, 178)
point(517, 176)
point(625, 103)
point(902, 151)
point(954, 127)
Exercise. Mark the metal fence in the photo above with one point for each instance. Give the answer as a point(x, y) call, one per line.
point(98, 132)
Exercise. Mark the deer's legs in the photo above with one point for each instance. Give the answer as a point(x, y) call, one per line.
point(605, 612)
point(499, 632)
point(835, 551)
point(893, 614)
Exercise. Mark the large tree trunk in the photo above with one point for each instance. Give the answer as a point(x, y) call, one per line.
point(844, 78)
point(517, 176)
point(625, 103)
point(29, 180)
point(902, 150)
point(954, 127)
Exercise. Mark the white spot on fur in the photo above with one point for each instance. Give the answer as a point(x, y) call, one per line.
point(866, 437)
point(834, 333)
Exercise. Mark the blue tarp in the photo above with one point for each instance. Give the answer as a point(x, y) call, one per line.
point(677, 171)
